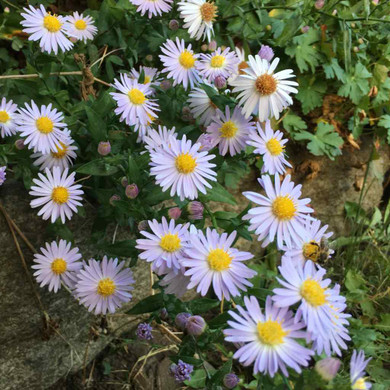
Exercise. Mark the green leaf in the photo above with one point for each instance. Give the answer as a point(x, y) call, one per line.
point(292, 123)
point(120, 248)
point(219, 194)
point(202, 305)
point(354, 281)
point(198, 379)
point(147, 305)
point(97, 168)
point(217, 378)
point(385, 122)
point(356, 85)
point(310, 93)
point(334, 70)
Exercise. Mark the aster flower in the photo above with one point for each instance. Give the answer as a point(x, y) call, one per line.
point(181, 371)
point(3, 173)
point(266, 53)
point(7, 118)
point(46, 28)
point(103, 286)
point(211, 259)
point(80, 27)
point(206, 142)
point(270, 144)
point(198, 16)
point(151, 74)
point(180, 63)
point(230, 132)
point(152, 7)
point(263, 92)
point(220, 63)
point(280, 214)
point(155, 139)
point(312, 244)
point(57, 192)
point(43, 127)
point(242, 64)
point(201, 106)
point(307, 286)
point(269, 338)
point(134, 105)
point(165, 245)
point(179, 165)
point(175, 282)
point(357, 371)
point(57, 263)
point(144, 331)
point(63, 157)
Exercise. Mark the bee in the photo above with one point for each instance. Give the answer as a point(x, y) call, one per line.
point(317, 252)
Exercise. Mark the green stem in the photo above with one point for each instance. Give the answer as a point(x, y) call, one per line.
point(286, 382)
point(211, 215)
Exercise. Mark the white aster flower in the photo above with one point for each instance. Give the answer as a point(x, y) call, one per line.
point(57, 263)
point(152, 7)
point(180, 63)
point(271, 146)
point(7, 118)
point(155, 139)
point(263, 92)
point(134, 105)
point(47, 28)
point(220, 63)
point(57, 193)
point(230, 132)
point(201, 106)
point(80, 27)
point(179, 165)
point(150, 74)
point(242, 64)
point(63, 157)
point(280, 213)
point(198, 16)
point(43, 127)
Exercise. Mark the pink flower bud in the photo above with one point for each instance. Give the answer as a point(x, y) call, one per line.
point(305, 29)
point(213, 46)
point(165, 85)
point(173, 24)
point(132, 191)
point(195, 210)
point(220, 82)
point(327, 368)
point(124, 181)
point(19, 144)
point(204, 47)
point(319, 4)
point(149, 58)
point(113, 199)
point(174, 213)
point(104, 148)
point(143, 226)
point(195, 325)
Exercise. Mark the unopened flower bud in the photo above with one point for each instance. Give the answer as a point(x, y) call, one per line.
point(355, 49)
point(195, 210)
point(104, 148)
point(266, 53)
point(220, 82)
point(174, 213)
point(327, 368)
point(149, 58)
point(375, 2)
point(373, 91)
point(164, 314)
point(334, 12)
point(360, 40)
point(73, 39)
point(132, 191)
point(173, 24)
point(231, 380)
point(213, 45)
point(124, 181)
point(186, 114)
point(195, 325)
point(143, 226)
point(181, 320)
point(268, 27)
point(204, 47)
point(353, 25)
point(7, 10)
point(19, 144)
point(113, 199)
point(165, 85)
point(305, 29)
point(319, 4)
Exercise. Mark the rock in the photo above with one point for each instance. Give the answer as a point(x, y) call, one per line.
point(32, 357)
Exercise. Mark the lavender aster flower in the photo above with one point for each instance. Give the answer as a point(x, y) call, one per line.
point(266, 53)
point(357, 371)
point(182, 371)
point(3, 173)
point(104, 286)
point(144, 331)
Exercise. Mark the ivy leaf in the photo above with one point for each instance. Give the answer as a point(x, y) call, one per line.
point(292, 123)
point(325, 141)
point(334, 70)
point(356, 85)
point(310, 93)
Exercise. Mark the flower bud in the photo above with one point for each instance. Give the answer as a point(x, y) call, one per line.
point(327, 368)
point(7, 10)
point(266, 53)
point(3, 174)
point(186, 114)
point(181, 320)
point(319, 4)
point(104, 148)
point(143, 226)
point(195, 325)
point(124, 181)
point(174, 213)
point(374, 2)
point(165, 85)
point(204, 47)
point(132, 191)
point(164, 314)
point(113, 199)
point(213, 45)
point(73, 39)
point(231, 380)
point(149, 58)
point(206, 141)
point(195, 210)
point(19, 144)
point(353, 25)
point(220, 82)
point(268, 27)
point(334, 12)
point(305, 29)
point(355, 49)
point(173, 25)
point(360, 40)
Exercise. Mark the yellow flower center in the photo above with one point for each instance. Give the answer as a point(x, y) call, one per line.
point(44, 124)
point(106, 287)
point(80, 24)
point(274, 147)
point(186, 59)
point(217, 61)
point(147, 79)
point(311, 250)
point(271, 332)
point(228, 129)
point(59, 266)
point(313, 293)
point(51, 23)
point(360, 384)
point(208, 12)
point(265, 84)
point(283, 208)
point(4, 117)
point(170, 242)
point(60, 195)
point(61, 151)
point(136, 96)
point(185, 163)
point(219, 260)
point(242, 65)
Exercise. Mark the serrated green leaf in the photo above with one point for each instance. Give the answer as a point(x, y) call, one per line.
point(310, 93)
point(293, 123)
point(356, 84)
